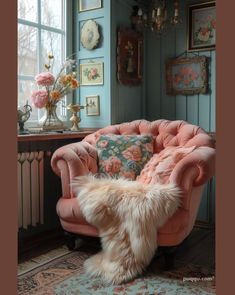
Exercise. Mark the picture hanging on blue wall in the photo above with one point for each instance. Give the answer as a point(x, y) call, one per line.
point(92, 73)
point(130, 57)
point(202, 26)
point(90, 34)
point(85, 5)
point(187, 75)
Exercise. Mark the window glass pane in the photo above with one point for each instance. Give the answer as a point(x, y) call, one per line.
point(52, 13)
point(25, 89)
point(52, 43)
point(27, 50)
point(28, 10)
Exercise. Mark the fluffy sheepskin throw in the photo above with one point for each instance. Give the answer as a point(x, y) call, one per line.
point(127, 215)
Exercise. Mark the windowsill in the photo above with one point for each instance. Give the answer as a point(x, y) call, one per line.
point(66, 134)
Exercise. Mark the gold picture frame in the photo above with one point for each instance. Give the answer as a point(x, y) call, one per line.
point(187, 75)
point(85, 5)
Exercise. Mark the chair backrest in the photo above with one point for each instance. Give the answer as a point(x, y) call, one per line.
point(166, 133)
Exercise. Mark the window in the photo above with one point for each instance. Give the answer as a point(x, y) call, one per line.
point(41, 30)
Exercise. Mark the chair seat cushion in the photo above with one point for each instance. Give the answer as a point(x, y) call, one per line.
point(69, 211)
point(123, 155)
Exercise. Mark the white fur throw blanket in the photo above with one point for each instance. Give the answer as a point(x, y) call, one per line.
point(127, 215)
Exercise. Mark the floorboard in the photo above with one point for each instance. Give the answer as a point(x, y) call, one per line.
point(197, 249)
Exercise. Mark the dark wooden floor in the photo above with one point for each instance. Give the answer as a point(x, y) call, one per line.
point(197, 249)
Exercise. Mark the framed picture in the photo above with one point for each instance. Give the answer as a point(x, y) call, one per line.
point(92, 73)
point(201, 26)
point(92, 105)
point(187, 75)
point(90, 34)
point(130, 57)
point(85, 5)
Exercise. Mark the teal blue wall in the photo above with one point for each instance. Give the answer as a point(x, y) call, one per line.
point(118, 103)
point(102, 54)
point(196, 109)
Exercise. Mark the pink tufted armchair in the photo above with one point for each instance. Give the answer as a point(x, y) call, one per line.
point(190, 170)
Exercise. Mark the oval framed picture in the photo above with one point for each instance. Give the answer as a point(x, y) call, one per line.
point(90, 35)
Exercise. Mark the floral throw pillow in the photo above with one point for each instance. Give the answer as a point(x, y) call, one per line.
point(123, 155)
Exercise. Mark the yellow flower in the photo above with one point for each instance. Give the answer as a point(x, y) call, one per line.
point(68, 78)
point(55, 95)
point(65, 79)
point(62, 80)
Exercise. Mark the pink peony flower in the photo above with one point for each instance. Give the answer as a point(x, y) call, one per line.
point(112, 165)
point(39, 98)
point(132, 153)
point(45, 79)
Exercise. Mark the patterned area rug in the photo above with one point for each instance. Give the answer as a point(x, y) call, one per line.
point(64, 275)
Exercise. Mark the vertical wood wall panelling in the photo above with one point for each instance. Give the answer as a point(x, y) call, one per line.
point(203, 212)
point(101, 54)
point(196, 109)
point(204, 99)
point(213, 200)
point(180, 40)
point(114, 89)
point(213, 92)
point(153, 77)
point(167, 51)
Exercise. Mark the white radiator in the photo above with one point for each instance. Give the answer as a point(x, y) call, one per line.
point(30, 189)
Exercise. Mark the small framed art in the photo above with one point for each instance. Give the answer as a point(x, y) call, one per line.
point(92, 105)
point(187, 75)
point(92, 73)
point(85, 5)
point(202, 26)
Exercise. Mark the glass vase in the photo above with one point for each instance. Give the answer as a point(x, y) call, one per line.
point(50, 120)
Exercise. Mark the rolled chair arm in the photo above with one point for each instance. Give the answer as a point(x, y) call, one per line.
point(202, 160)
point(73, 160)
point(193, 170)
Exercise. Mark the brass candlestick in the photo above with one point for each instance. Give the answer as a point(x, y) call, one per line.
point(75, 119)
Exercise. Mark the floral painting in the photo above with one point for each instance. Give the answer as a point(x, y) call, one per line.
point(187, 75)
point(202, 26)
point(91, 74)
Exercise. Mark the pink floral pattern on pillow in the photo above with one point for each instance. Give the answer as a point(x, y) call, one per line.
point(123, 155)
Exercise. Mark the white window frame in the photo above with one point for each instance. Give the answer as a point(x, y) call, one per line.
point(66, 49)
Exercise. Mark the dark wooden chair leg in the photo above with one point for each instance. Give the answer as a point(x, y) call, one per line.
point(169, 256)
point(70, 240)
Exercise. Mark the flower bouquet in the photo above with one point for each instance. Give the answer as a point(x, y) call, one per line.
point(52, 90)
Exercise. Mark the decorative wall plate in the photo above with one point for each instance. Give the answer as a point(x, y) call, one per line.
point(90, 35)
